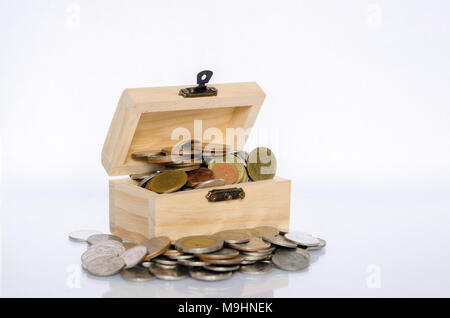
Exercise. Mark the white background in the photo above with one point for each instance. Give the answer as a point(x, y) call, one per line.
point(357, 111)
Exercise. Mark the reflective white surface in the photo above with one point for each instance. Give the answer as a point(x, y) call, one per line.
point(397, 244)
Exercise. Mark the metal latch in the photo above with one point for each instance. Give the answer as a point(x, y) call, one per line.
point(225, 194)
point(201, 90)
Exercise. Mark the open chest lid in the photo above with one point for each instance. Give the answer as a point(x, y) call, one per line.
point(157, 117)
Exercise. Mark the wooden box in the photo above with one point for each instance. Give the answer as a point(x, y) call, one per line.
point(146, 118)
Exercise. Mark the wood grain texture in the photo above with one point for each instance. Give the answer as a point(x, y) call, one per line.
point(145, 118)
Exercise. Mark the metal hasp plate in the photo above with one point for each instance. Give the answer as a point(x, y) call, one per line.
point(218, 195)
point(201, 90)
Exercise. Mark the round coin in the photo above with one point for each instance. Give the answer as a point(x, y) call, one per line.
point(167, 181)
point(207, 275)
point(218, 268)
point(261, 164)
point(146, 154)
point(181, 256)
point(257, 268)
point(199, 244)
point(279, 240)
point(82, 235)
point(137, 274)
point(255, 244)
point(210, 183)
point(322, 244)
point(168, 273)
point(198, 176)
point(191, 262)
point(96, 238)
point(224, 253)
point(105, 265)
point(230, 261)
point(290, 260)
point(226, 171)
point(164, 260)
point(134, 256)
point(143, 182)
point(302, 239)
point(233, 236)
point(156, 246)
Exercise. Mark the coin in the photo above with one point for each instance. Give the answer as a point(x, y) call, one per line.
point(95, 238)
point(260, 253)
point(172, 251)
point(146, 154)
point(199, 244)
point(255, 244)
point(191, 262)
point(164, 260)
point(105, 265)
point(143, 182)
point(206, 275)
point(181, 168)
point(167, 181)
point(181, 151)
point(87, 256)
point(173, 273)
point(111, 248)
point(266, 230)
point(261, 164)
point(134, 255)
point(156, 246)
point(245, 262)
point(257, 268)
point(181, 256)
point(216, 268)
point(146, 264)
point(322, 244)
point(279, 240)
point(226, 171)
point(140, 176)
point(198, 176)
point(137, 274)
point(210, 183)
point(259, 257)
point(302, 239)
point(233, 236)
point(290, 260)
point(244, 177)
point(224, 253)
point(82, 235)
point(230, 261)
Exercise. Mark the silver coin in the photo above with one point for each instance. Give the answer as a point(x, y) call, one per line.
point(234, 236)
point(279, 240)
point(290, 260)
point(207, 275)
point(254, 257)
point(210, 183)
point(137, 274)
point(164, 260)
point(143, 182)
point(302, 239)
point(88, 257)
point(217, 268)
point(146, 264)
point(133, 256)
point(105, 265)
point(224, 253)
point(322, 244)
point(246, 262)
point(195, 262)
point(101, 250)
point(148, 154)
point(182, 256)
point(96, 238)
point(163, 266)
point(260, 253)
point(257, 268)
point(176, 273)
point(82, 235)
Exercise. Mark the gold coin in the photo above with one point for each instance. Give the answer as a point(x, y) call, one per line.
point(229, 158)
point(156, 246)
point(226, 171)
point(261, 164)
point(167, 181)
point(199, 244)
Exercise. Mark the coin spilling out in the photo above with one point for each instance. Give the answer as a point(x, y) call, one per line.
point(302, 239)
point(279, 240)
point(198, 176)
point(224, 253)
point(156, 246)
point(82, 235)
point(233, 236)
point(168, 273)
point(226, 171)
point(134, 256)
point(255, 244)
point(257, 268)
point(199, 244)
point(105, 265)
point(261, 164)
point(210, 183)
point(207, 275)
point(290, 260)
point(322, 244)
point(95, 238)
point(167, 181)
point(137, 274)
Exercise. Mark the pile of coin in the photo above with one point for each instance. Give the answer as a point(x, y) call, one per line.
point(195, 165)
point(203, 257)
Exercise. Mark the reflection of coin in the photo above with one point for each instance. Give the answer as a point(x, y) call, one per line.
point(279, 240)
point(105, 265)
point(156, 246)
point(133, 256)
point(210, 183)
point(82, 235)
point(302, 239)
point(322, 244)
point(199, 244)
point(198, 176)
point(168, 273)
point(257, 268)
point(226, 171)
point(224, 253)
point(290, 260)
point(137, 274)
point(218, 268)
point(233, 236)
point(261, 164)
point(231, 261)
point(167, 181)
point(203, 274)
point(93, 239)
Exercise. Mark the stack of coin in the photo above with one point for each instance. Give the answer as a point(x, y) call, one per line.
point(203, 257)
point(195, 165)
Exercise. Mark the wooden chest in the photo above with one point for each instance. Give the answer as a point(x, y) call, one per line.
point(146, 118)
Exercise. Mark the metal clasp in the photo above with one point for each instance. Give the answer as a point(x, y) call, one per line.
point(218, 195)
point(201, 90)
